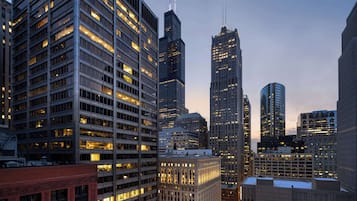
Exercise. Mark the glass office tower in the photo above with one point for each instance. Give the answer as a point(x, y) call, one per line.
point(85, 89)
point(172, 72)
point(272, 111)
point(5, 59)
point(226, 108)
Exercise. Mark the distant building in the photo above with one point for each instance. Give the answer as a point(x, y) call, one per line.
point(5, 63)
point(177, 138)
point(273, 144)
point(189, 177)
point(226, 108)
point(318, 131)
point(284, 165)
point(347, 106)
point(248, 166)
point(171, 72)
point(194, 123)
point(272, 110)
point(64, 182)
point(269, 189)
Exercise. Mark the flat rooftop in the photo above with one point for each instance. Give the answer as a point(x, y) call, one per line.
point(279, 183)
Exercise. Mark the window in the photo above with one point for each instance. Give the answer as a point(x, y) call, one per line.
point(33, 197)
point(59, 195)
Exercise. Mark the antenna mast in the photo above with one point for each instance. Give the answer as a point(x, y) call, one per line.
point(172, 5)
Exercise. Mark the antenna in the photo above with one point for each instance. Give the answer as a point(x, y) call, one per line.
point(224, 13)
point(172, 5)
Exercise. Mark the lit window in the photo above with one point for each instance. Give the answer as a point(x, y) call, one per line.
point(127, 98)
point(127, 69)
point(135, 46)
point(83, 120)
point(96, 38)
point(42, 22)
point(44, 43)
point(128, 79)
point(33, 60)
point(95, 15)
point(94, 157)
point(63, 33)
point(150, 58)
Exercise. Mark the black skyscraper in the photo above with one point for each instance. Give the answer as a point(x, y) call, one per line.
point(226, 108)
point(171, 72)
point(347, 106)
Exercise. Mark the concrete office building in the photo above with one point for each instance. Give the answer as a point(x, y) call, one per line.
point(5, 63)
point(272, 110)
point(85, 89)
point(269, 189)
point(171, 72)
point(189, 177)
point(248, 166)
point(194, 123)
point(347, 106)
point(284, 165)
point(318, 130)
point(226, 109)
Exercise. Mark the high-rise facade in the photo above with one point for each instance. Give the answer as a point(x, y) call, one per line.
point(5, 60)
point(190, 177)
point(85, 89)
point(317, 130)
point(347, 106)
point(272, 110)
point(226, 107)
point(194, 123)
point(247, 136)
point(171, 72)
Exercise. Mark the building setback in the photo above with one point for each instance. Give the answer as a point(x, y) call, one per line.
point(226, 108)
point(318, 132)
point(171, 72)
point(347, 106)
point(5, 65)
point(85, 89)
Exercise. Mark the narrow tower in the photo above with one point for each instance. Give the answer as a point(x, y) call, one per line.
point(171, 72)
point(226, 109)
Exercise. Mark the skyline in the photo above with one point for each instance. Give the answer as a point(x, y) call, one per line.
point(278, 41)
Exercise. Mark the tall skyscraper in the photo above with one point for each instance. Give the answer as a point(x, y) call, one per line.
point(272, 110)
point(5, 59)
point(194, 123)
point(318, 131)
point(226, 109)
point(247, 135)
point(347, 106)
point(171, 72)
point(85, 89)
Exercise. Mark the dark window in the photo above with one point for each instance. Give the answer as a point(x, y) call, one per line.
point(33, 197)
point(59, 195)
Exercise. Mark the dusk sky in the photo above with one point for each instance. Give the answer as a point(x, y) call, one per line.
point(293, 42)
